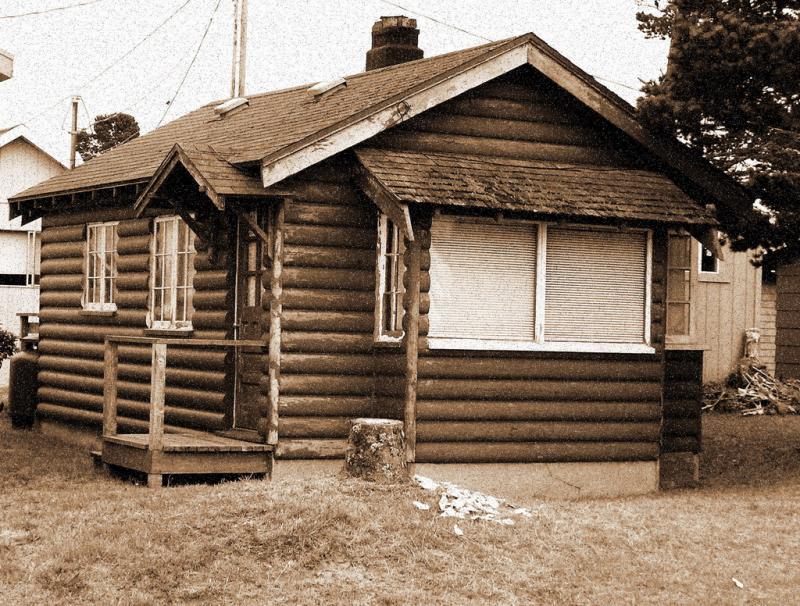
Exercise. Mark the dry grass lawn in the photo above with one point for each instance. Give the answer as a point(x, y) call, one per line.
point(69, 534)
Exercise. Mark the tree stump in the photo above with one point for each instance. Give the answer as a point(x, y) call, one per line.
point(376, 451)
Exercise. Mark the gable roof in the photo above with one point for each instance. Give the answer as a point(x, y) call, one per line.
point(269, 123)
point(552, 188)
point(14, 133)
point(289, 130)
point(210, 170)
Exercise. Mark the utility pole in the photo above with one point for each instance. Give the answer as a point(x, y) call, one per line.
point(73, 133)
point(239, 47)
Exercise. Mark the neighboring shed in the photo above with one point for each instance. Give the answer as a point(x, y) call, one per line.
point(474, 243)
point(766, 324)
point(712, 303)
point(787, 322)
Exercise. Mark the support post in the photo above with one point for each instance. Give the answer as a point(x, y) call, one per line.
point(158, 375)
point(413, 249)
point(110, 365)
point(275, 313)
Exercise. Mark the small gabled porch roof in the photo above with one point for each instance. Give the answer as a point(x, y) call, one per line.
point(215, 176)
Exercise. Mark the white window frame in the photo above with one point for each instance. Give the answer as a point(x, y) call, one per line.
point(106, 302)
point(540, 343)
point(381, 267)
point(177, 325)
point(700, 270)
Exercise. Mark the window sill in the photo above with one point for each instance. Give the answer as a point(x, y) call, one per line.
point(487, 345)
point(168, 332)
point(388, 342)
point(99, 313)
point(712, 277)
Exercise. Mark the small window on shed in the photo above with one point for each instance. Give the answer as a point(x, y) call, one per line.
point(100, 272)
point(389, 282)
point(709, 264)
point(173, 272)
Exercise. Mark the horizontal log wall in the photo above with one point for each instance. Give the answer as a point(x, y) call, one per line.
point(475, 407)
point(520, 116)
point(71, 339)
point(683, 400)
point(328, 361)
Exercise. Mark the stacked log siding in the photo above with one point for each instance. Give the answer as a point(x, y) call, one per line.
point(329, 364)
point(520, 115)
point(683, 401)
point(538, 407)
point(71, 339)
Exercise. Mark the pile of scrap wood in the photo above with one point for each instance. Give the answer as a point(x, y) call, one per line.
point(753, 391)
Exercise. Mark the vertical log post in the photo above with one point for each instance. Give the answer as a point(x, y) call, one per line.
point(412, 346)
point(158, 375)
point(110, 365)
point(275, 312)
point(157, 380)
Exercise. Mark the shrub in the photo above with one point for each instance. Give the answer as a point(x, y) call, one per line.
point(8, 345)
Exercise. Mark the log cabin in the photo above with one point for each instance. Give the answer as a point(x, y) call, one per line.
point(474, 243)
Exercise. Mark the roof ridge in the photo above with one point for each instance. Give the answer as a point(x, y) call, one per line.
point(371, 72)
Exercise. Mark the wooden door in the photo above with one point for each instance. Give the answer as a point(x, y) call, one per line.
point(250, 322)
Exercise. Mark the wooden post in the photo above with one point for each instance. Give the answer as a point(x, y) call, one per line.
point(158, 376)
point(110, 364)
point(412, 347)
point(275, 313)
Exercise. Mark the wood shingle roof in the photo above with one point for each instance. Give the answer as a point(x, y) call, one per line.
point(551, 188)
point(271, 122)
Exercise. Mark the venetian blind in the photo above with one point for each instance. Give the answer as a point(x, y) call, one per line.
point(483, 280)
point(595, 289)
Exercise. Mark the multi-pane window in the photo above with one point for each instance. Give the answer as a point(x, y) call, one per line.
point(101, 267)
point(389, 283)
point(527, 285)
point(679, 284)
point(171, 305)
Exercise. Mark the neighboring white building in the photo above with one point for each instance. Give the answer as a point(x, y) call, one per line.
point(22, 164)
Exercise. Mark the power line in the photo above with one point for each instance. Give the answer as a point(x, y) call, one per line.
point(113, 63)
point(638, 90)
point(480, 37)
point(435, 20)
point(51, 10)
point(188, 69)
point(159, 83)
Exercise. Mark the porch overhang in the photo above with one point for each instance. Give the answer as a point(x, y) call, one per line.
point(553, 189)
point(215, 177)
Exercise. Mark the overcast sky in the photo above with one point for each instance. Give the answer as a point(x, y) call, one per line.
point(69, 52)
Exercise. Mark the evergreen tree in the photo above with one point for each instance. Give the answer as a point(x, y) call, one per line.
point(732, 91)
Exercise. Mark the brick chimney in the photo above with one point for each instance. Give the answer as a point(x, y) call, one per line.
point(394, 40)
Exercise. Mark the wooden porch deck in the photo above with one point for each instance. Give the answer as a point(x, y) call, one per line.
point(157, 453)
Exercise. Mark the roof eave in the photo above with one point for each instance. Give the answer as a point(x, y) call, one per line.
point(390, 112)
point(527, 49)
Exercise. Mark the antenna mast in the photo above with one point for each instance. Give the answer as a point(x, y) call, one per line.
point(239, 47)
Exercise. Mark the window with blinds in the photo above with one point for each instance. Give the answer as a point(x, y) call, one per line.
point(592, 284)
point(596, 282)
point(483, 280)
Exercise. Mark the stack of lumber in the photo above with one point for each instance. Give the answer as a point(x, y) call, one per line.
point(753, 391)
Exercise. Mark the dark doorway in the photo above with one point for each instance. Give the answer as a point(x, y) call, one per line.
point(250, 320)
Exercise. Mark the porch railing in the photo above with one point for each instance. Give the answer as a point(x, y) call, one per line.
point(158, 375)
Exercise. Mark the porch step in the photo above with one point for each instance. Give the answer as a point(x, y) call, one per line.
point(187, 453)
